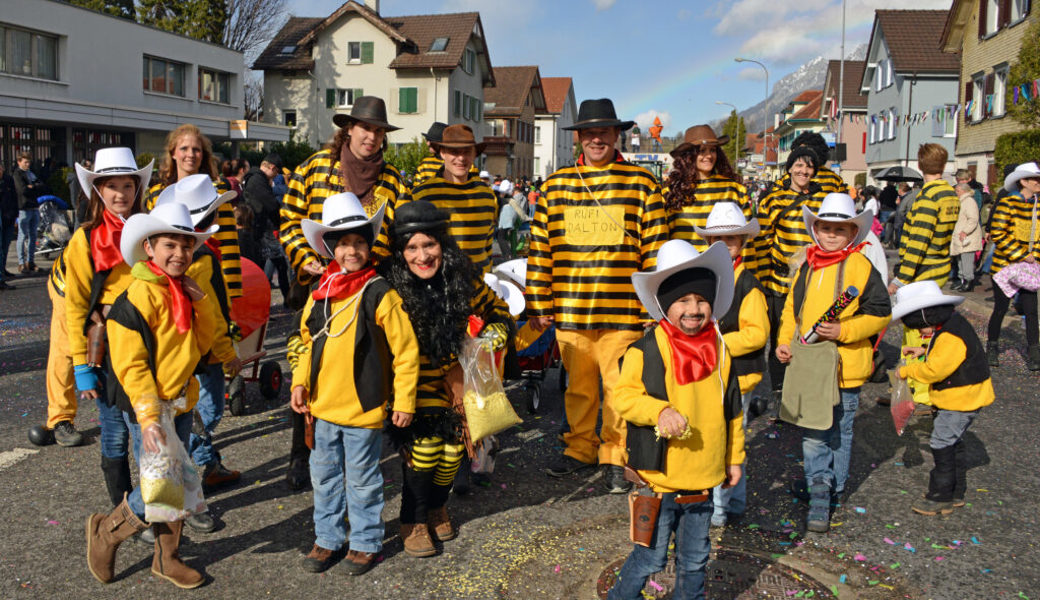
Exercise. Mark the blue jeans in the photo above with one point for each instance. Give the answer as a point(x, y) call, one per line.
point(211, 410)
point(114, 436)
point(734, 500)
point(28, 223)
point(347, 483)
point(987, 258)
point(827, 453)
point(182, 423)
point(690, 524)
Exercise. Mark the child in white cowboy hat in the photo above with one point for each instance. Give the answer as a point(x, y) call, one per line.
point(832, 265)
point(681, 378)
point(744, 327)
point(361, 351)
point(154, 363)
point(198, 193)
point(956, 370)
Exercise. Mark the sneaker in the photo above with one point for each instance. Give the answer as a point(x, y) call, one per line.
point(217, 474)
point(930, 508)
point(201, 522)
point(147, 537)
point(65, 433)
point(5, 287)
point(958, 503)
point(819, 517)
point(615, 480)
point(359, 563)
point(565, 465)
point(319, 559)
point(718, 519)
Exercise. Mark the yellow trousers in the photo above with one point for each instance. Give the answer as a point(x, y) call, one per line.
point(912, 338)
point(589, 357)
point(61, 384)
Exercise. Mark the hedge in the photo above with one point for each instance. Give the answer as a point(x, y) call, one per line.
point(1016, 148)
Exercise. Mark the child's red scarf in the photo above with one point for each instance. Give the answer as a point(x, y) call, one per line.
point(180, 303)
point(693, 356)
point(104, 242)
point(343, 285)
point(819, 258)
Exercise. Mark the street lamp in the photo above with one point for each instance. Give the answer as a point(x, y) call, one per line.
point(736, 128)
point(765, 120)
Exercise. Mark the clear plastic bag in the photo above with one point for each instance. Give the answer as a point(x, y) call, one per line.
point(902, 401)
point(170, 485)
point(488, 410)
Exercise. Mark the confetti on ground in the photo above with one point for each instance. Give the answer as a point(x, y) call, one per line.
point(860, 557)
point(861, 510)
point(889, 542)
point(938, 558)
point(556, 569)
point(909, 547)
point(843, 578)
point(655, 585)
point(52, 522)
point(975, 540)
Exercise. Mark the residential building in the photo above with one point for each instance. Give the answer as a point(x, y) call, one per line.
point(988, 35)
point(509, 116)
point(426, 67)
point(799, 116)
point(71, 82)
point(908, 78)
point(849, 116)
point(554, 146)
point(754, 150)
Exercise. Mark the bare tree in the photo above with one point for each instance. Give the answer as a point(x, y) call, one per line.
point(252, 23)
point(253, 96)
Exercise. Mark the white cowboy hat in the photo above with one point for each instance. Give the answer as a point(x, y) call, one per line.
point(109, 162)
point(168, 218)
point(726, 218)
point(679, 255)
point(921, 294)
point(508, 292)
point(515, 269)
point(198, 193)
point(839, 208)
point(340, 212)
point(484, 175)
point(1022, 171)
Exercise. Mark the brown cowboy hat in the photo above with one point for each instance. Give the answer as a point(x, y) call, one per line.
point(367, 109)
point(458, 136)
point(699, 135)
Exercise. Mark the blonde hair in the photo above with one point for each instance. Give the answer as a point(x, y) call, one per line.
point(168, 170)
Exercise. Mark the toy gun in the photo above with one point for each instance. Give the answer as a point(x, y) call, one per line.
point(832, 313)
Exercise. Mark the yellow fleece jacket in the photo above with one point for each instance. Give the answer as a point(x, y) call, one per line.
point(945, 355)
point(753, 332)
point(79, 272)
point(201, 270)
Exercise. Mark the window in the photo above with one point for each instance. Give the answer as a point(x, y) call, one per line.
point(469, 60)
point(889, 74)
point(346, 98)
point(944, 120)
point(408, 100)
point(28, 53)
point(999, 90)
point(873, 128)
point(467, 107)
point(879, 76)
point(537, 166)
point(978, 96)
point(891, 123)
point(289, 118)
point(1019, 10)
point(439, 45)
point(287, 50)
point(537, 138)
point(474, 108)
point(989, 17)
point(360, 53)
point(497, 127)
point(214, 86)
point(163, 76)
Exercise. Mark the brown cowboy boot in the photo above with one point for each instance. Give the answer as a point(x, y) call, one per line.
point(167, 561)
point(104, 534)
point(440, 524)
point(417, 541)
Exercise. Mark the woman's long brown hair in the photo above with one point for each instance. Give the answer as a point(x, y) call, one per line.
point(168, 170)
point(96, 206)
point(682, 182)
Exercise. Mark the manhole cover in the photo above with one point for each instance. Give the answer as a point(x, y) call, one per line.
point(731, 575)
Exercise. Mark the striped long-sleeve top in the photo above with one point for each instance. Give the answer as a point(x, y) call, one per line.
point(1015, 221)
point(472, 206)
point(591, 231)
point(783, 234)
point(924, 247)
point(828, 180)
point(314, 180)
point(694, 213)
point(226, 236)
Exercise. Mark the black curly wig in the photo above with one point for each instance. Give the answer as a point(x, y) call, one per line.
point(682, 181)
point(438, 307)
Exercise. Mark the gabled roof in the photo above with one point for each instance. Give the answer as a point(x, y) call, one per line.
point(805, 97)
point(512, 86)
point(422, 30)
point(913, 40)
point(352, 6)
point(289, 36)
point(810, 111)
point(852, 97)
point(555, 90)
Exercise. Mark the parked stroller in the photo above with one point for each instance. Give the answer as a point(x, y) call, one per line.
point(54, 230)
point(535, 361)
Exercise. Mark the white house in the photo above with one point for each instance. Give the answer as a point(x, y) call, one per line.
point(426, 67)
point(553, 146)
point(71, 82)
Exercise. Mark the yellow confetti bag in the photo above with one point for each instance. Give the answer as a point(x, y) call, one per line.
point(170, 486)
point(488, 410)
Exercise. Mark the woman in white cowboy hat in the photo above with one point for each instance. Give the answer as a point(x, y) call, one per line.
point(833, 264)
point(679, 378)
point(95, 275)
point(744, 327)
point(361, 352)
point(154, 364)
point(1015, 231)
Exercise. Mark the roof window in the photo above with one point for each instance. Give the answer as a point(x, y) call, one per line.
point(439, 45)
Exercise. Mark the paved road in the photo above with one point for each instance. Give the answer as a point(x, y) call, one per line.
point(528, 536)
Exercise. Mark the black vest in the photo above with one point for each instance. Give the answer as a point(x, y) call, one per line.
point(372, 358)
point(755, 361)
point(974, 369)
point(126, 314)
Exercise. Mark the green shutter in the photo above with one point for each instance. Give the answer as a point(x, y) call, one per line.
point(367, 52)
point(330, 98)
point(458, 103)
point(408, 100)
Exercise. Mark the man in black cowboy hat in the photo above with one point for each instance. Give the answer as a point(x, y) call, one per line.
point(351, 162)
point(430, 165)
point(600, 221)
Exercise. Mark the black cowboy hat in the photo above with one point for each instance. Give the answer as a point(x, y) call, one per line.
point(367, 109)
point(418, 215)
point(598, 113)
point(434, 133)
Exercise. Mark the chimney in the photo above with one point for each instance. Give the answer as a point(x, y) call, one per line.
point(373, 4)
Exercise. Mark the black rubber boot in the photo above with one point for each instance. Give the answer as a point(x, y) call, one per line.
point(298, 476)
point(117, 478)
point(943, 478)
point(416, 495)
point(993, 353)
point(1033, 358)
point(960, 469)
point(461, 484)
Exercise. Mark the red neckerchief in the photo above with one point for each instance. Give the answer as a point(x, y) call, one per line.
point(104, 242)
point(693, 356)
point(618, 158)
point(180, 303)
point(343, 285)
point(819, 258)
point(737, 261)
point(214, 246)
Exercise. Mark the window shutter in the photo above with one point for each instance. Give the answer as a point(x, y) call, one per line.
point(367, 52)
point(457, 109)
point(1026, 5)
point(987, 110)
point(969, 86)
point(1005, 13)
point(407, 99)
point(358, 92)
point(982, 17)
point(330, 98)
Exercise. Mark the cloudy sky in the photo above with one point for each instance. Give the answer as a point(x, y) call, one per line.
point(672, 58)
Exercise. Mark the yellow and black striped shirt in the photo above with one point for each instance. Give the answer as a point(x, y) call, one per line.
point(694, 213)
point(828, 180)
point(783, 234)
point(57, 276)
point(1014, 222)
point(314, 180)
point(472, 206)
point(226, 236)
point(586, 241)
point(924, 246)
